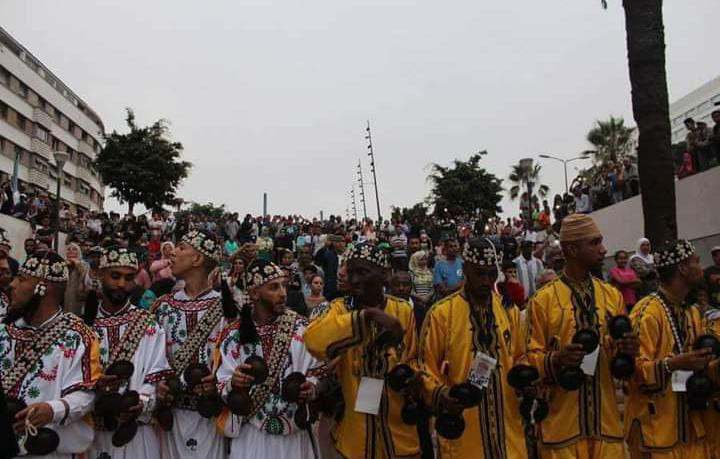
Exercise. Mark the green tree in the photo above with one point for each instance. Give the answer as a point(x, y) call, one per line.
point(648, 79)
point(209, 211)
point(416, 213)
point(464, 187)
point(142, 166)
point(521, 176)
point(611, 140)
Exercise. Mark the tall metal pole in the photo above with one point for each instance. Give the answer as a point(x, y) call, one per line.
point(264, 205)
point(372, 168)
point(566, 180)
point(361, 181)
point(354, 202)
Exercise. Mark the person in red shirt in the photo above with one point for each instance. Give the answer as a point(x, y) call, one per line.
point(511, 290)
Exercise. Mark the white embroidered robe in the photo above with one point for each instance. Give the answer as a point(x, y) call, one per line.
point(150, 364)
point(192, 436)
point(67, 371)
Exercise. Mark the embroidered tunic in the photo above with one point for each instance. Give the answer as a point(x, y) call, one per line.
point(271, 431)
point(656, 418)
point(151, 365)
point(179, 315)
point(450, 338)
point(341, 333)
point(66, 372)
point(555, 313)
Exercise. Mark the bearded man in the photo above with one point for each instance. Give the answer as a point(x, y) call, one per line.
point(127, 334)
point(50, 362)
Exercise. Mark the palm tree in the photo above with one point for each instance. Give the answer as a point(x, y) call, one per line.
point(648, 79)
point(611, 140)
point(521, 176)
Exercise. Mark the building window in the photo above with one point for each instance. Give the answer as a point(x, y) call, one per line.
point(42, 134)
point(21, 121)
point(4, 76)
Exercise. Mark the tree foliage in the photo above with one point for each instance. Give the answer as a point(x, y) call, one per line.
point(464, 187)
point(521, 176)
point(208, 211)
point(417, 213)
point(611, 140)
point(143, 165)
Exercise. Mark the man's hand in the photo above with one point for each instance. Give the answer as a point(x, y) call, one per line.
point(307, 392)
point(107, 383)
point(569, 356)
point(450, 404)
point(629, 345)
point(163, 392)
point(38, 414)
point(207, 386)
point(240, 379)
point(691, 361)
point(132, 413)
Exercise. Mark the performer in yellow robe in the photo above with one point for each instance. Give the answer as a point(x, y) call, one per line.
point(583, 423)
point(658, 421)
point(346, 331)
point(711, 324)
point(448, 347)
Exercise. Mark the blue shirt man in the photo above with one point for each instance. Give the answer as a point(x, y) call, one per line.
point(448, 274)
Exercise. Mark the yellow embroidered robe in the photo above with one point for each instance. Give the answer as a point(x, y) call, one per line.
point(590, 412)
point(341, 333)
point(493, 430)
point(661, 415)
point(711, 324)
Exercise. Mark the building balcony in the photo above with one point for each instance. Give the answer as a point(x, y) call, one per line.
point(42, 118)
point(86, 149)
point(41, 148)
point(38, 178)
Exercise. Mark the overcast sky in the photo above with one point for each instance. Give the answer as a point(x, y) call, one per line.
point(273, 95)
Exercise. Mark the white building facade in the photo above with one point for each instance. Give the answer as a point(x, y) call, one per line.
point(39, 114)
point(697, 105)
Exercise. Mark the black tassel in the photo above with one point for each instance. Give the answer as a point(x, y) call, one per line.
point(230, 310)
point(92, 303)
point(248, 333)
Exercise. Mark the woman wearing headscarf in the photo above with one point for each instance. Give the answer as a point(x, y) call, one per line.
point(161, 269)
point(643, 264)
point(75, 291)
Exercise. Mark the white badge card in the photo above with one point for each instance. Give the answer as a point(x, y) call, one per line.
point(679, 378)
point(369, 395)
point(589, 362)
point(482, 367)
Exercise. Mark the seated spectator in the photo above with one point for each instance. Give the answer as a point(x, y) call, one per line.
point(687, 167)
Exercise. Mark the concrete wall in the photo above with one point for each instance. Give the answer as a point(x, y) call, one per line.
point(17, 231)
point(698, 212)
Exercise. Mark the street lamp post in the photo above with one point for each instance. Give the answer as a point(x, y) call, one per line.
point(565, 163)
point(61, 158)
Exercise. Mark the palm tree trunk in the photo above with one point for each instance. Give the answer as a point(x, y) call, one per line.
point(646, 59)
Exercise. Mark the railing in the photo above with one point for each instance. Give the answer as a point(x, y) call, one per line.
point(41, 148)
point(42, 118)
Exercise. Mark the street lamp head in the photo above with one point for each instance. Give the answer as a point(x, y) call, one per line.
point(526, 163)
point(545, 156)
point(61, 158)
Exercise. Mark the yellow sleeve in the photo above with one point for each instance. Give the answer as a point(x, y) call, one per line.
point(433, 339)
point(650, 375)
point(518, 328)
point(335, 332)
point(538, 352)
point(410, 341)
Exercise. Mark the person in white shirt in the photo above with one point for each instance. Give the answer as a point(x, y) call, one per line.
point(528, 268)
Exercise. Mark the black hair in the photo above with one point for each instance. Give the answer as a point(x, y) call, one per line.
point(92, 302)
point(688, 120)
point(617, 254)
point(508, 264)
point(229, 306)
point(162, 287)
point(248, 332)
